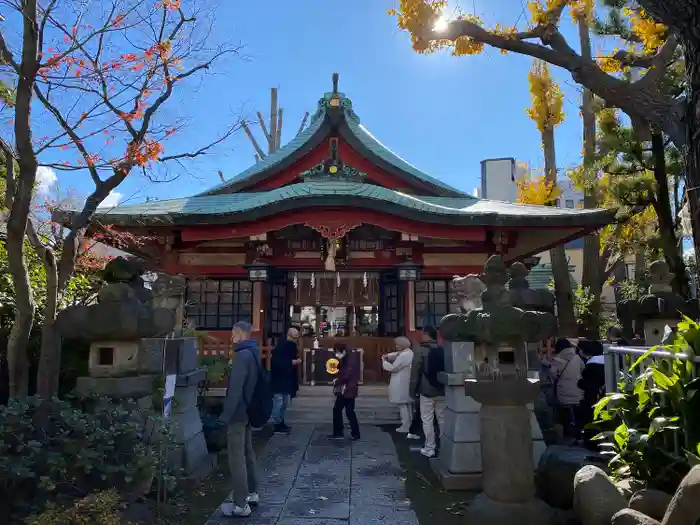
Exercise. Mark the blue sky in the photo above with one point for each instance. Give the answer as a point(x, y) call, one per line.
point(441, 113)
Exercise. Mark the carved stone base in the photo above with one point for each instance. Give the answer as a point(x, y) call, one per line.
point(484, 510)
point(452, 481)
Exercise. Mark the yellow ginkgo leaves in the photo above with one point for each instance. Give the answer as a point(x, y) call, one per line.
point(538, 190)
point(547, 99)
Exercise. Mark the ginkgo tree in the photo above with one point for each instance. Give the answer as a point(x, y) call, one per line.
point(93, 83)
point(658, 29)
point(546, 110)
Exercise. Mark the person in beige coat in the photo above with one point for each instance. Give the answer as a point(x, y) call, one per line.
point(567, 367)
point(399, 364)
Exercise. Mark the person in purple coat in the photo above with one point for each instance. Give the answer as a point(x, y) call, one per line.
point(345, 388)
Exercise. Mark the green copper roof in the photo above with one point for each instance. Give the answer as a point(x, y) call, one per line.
point(273, 158)
point(234, 207)
point(541, 276)
point(322, 123)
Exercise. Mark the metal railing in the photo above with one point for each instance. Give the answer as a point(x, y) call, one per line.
point(619, 360)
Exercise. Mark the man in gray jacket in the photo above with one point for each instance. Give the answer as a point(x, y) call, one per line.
point(241, 457)
point(428, 362)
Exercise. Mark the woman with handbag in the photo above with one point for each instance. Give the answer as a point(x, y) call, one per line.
point(345, 389)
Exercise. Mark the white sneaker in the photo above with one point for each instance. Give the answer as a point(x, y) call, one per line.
point(412, 436)
point(427, 452)
point(402, 430)
point(231, 510)
point(253, 499)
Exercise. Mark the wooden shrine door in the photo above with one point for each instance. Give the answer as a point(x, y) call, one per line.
point(276, 307)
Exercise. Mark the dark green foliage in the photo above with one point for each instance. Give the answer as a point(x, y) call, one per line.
point(98, 509)
point(55, 451)
point(651, 427)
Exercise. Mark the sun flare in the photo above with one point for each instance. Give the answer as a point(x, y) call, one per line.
point(441, 25)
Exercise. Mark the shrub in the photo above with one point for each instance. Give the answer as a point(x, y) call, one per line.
point(98, 509)
point(55, 451)
point(650, 427)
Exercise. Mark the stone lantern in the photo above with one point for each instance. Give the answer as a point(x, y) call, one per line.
point(501, 386)
point(131, 351)
point(114, 327)
point(661, 306)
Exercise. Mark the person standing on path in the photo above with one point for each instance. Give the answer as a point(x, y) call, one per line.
point(241, 457)
point(399, 364)
point(283, 378)
point(428, 362)
point(567, 367)
point(345, 388)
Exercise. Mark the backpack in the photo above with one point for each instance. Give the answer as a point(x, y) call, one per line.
point(259, 407)
point(436, 364)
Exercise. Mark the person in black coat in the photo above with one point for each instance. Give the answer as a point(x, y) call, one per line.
point(592, 383)
point(283, 378)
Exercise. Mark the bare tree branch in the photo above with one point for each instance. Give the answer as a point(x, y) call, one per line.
point(204, 149)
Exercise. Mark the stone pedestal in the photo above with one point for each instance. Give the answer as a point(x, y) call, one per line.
point(459, 463)
point(137, 387)
point(507, 454)
point(459, 466)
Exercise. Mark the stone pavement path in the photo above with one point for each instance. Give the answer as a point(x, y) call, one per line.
point(305, 479)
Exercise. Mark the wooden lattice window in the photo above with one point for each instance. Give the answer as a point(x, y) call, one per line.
point(433, 300)
point(217, 304)
point(392, 305)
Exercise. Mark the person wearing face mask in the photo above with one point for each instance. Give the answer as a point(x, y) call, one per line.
point(283, 378)
point(243, 377)
point(345, 388)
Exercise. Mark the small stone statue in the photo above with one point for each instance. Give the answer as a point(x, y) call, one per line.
point(468, 290)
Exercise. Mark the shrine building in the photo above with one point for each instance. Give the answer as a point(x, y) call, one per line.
point(337, 235)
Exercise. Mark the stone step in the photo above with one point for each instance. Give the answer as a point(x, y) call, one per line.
point(319, 420)
point(324, 413)
point(303, 404)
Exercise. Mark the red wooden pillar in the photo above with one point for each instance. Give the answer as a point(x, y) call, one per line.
point(409, 301)
point(258, 311)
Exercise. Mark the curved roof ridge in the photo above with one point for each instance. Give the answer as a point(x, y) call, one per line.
point(393, 158)
point(360, 134)
point(271, 159)
point(240, 203)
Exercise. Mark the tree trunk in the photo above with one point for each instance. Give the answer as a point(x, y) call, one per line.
point(662, 206)
point(640, 265)
point(683, 19)
point(17, 362)
point(557, 255)
point(20, 190)
point(591, 277)
point(692, 149)
point(50, 357)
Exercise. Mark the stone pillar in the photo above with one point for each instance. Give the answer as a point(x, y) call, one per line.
point(190, 453)
point(506, 449)
point(459, 463)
